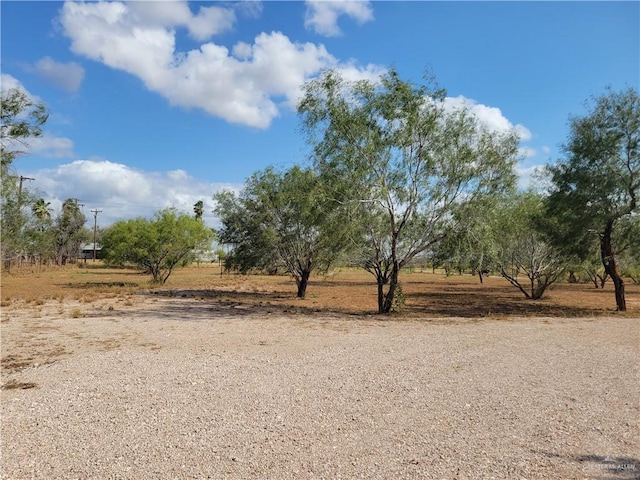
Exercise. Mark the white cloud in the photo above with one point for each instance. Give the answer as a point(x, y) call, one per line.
point(249, 8)
point(322, 16)
point(208, 22)
point(527, 176)
point(494, 120)
point(9, 82)
point(247, 86)
point(527, 152)
point(211, 21)
point(242, 50)
point(48, 145)
point(122, 192)
point(51, 146)
point(492, 117)
point(352, 73)
point(67, 76)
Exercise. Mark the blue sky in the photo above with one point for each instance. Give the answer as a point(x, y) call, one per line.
point(157, 104)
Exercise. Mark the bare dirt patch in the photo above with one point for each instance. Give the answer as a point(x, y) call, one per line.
point(233, 377)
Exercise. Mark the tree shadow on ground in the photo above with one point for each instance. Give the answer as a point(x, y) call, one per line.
point(445, 302)
point(478, 304)
point(211, 303)
point(91, 285)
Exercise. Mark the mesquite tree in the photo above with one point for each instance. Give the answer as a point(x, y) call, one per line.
point(69, 231)
point(156, 245)
point(282, 219)
point(524, 255)
point(21, 119)
point(597, 186)
point(404, 162)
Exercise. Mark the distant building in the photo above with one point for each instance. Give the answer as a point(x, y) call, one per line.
point(206, 256)
point(86, 251)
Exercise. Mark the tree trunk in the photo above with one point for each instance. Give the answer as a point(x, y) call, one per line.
point(381, 284)
point(603, 279)
point(302, 283)
point(611, 267)
point(387, 303)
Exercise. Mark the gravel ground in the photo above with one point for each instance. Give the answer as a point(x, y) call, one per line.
point(166, 391)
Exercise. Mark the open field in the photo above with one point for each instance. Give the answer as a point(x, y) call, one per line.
point(230, 376)
point(343, 291)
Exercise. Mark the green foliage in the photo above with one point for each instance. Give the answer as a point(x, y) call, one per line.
point(14, 217)
point(472, 245)
point(628, 235)
point(404, 166)
point(597, 185)
point(158, 245)
point(69, 231)
point(282, 220)
point(40, 235)
point(244, 229)
point(198, 209)
point(21, 119)
point(41, 209)
point(522, 250)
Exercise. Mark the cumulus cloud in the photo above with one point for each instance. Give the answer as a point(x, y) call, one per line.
point(122, 192)
point(529, 176)
point(9, 82)
point(48, 145)
point(209, 21)
point(51, 146)
point(246, 86)
point(492, 117)
point(527, 152)
point(494, 120)
point(249, 8)
point(322, 16)
point(66, 76)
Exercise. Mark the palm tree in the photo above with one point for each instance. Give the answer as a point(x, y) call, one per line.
point(41, 209)
point(198, 209)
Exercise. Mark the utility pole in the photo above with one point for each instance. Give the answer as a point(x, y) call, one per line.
point(22, 179)
point(95, 227)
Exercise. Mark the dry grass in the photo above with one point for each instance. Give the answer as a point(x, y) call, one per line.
point(342, 292)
